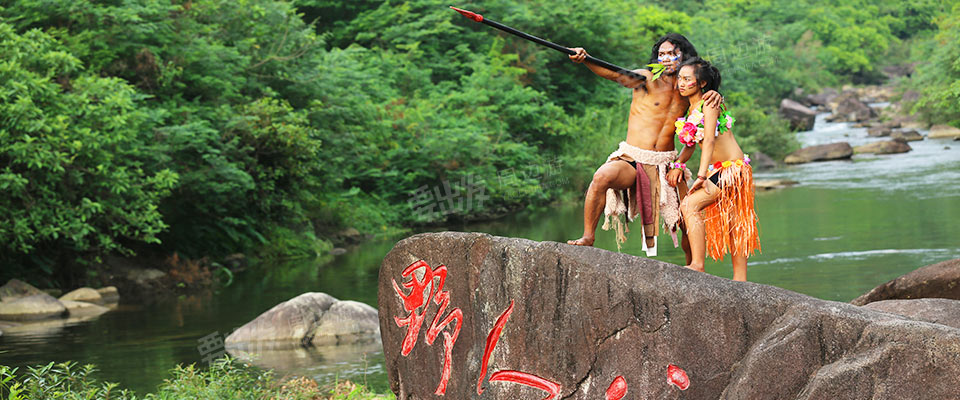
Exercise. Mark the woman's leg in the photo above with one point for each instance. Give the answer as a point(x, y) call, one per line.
point(690, 208)
point(740, 268)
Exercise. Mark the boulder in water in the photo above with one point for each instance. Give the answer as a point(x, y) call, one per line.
point(30, 308)
point(938, 311)
point(943, 131)
point(15, 289)
point(885, 147)
point(824, 98)
point(83, 309)
point(84, 294)
point(109, 294)
point(769, 184)
point(850, 109)
point(465, 313)
point(801, 118)
point(941, 280)
point(308, 319)
point(823, 152)
point(906, 136)
point(759, 161)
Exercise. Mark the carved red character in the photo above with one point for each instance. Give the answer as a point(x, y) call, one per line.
point(418, 298)
point(523, 378)
point(617, 389)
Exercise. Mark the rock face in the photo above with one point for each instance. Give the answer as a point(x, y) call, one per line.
point(885, 147)
point(823, 98)
point(851, 109)
point(518, 319)
point(109, 294)
point(770, 184)
point(941, 280)
point(15, 289)
point(906, 136)
point(823, 152)
point(943, 131)
point(30, 308)
point(801, 118)
point(83, 309)
point(308, 319)
point(86, 295)
point(938, 311)
point(761, 161)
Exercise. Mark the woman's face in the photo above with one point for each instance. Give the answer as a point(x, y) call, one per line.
point(687, 81)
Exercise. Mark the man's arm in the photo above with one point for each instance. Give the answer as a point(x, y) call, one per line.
point(622, 79)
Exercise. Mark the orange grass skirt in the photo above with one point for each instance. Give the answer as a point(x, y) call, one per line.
point(731, 221)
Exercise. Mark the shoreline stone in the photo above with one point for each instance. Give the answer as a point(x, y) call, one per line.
point(823, 152)
point(940, 280)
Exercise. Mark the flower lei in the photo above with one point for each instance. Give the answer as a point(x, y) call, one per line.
point(690, 127)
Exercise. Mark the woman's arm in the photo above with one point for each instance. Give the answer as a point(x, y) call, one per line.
point(710, 115)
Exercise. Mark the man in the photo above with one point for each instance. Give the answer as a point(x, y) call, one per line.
point(633, 180)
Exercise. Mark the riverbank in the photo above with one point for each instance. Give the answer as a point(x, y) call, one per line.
point(225, 379)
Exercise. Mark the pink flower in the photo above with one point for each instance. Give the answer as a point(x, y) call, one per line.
point(689, 129)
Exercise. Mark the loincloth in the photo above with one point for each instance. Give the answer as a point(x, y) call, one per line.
point(665, 202)
point(731, 221)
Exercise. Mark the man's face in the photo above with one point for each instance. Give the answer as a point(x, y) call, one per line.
point(669, 55)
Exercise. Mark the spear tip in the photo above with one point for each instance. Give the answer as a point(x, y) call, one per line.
point(469, 14)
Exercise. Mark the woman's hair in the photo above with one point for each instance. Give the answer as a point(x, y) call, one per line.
point(686, 48)
point(705, 73)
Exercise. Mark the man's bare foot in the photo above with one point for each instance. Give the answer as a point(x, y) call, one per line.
point(696, 268)
point(581, 242)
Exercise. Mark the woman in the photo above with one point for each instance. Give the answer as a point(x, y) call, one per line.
point(723, 190)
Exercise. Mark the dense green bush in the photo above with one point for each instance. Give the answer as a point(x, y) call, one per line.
point(938, 76)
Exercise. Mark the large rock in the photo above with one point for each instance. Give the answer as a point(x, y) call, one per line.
point(823, 98)
point(938, 311)
point(850, 109)
point(760, 161)
point(943, 132)
point(941, 280)
point(308, 319)
point(85, 294)
point(801, 118)
point(83, 309)
point(30, 308)
point(515, 315)
point(879, 131)
point(15, 289)
point(770, 184)
point(823, 152)
point(109, 294)
point(906, 136)
point(884, 147)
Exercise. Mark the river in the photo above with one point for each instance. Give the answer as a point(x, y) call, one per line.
point(845, 228)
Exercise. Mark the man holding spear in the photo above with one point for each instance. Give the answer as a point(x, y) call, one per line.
point(641, 177)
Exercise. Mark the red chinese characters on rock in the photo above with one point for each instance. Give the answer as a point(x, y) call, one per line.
point(416, 295)
point(419, 299)
point(522, 378)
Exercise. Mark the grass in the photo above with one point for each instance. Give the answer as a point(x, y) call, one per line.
point(226, 379)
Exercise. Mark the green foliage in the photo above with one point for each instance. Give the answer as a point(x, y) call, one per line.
point(225, 379)
point(938, 75)
point(75, 155)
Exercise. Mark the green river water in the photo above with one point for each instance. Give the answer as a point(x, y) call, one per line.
point(845, 228)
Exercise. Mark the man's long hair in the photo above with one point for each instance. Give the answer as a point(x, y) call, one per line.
point(687, 51)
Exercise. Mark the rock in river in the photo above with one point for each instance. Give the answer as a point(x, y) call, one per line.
point(884, 147)
point(940, 280)
point(15, 289)
point(801, 118)
point(938, 311)
point(30, 308)
point(305, 320)
point(85, 294)
point(822, 152)
point(473, 316)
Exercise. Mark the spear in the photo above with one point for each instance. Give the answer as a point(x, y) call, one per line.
point(615, 68)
